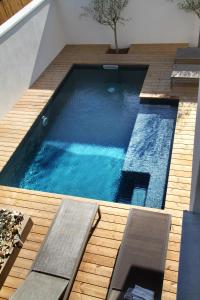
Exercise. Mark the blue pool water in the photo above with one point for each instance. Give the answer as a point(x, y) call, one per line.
point(100, 141)
point(92, 171)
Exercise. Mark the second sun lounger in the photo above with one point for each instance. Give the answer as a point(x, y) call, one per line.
point(188, 55)
point(141, 258)
point(57, 262)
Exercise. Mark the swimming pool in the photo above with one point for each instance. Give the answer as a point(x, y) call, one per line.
point(95, 139)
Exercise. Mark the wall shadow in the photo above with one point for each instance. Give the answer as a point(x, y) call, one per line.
point(51, 43)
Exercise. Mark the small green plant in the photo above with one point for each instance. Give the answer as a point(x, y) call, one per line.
point(108, 13)
point(191, 6)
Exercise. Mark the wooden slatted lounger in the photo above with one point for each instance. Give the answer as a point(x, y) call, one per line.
point(188, 55)
point(56, 265)
point(141, 258)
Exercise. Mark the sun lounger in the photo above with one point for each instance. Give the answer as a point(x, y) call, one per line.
point(141, 258)
point(189, 266)
point(189, 55)
point(55, 267)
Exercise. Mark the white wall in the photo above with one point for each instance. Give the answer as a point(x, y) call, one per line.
point(27, 47)
point(152, 21)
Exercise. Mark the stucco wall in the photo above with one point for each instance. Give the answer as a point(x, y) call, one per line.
point(27, 48)
point(152, 21)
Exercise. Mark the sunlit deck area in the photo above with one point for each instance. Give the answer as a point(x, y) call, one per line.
point(95, 271)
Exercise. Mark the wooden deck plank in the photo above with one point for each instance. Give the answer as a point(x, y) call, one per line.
point(98, 260)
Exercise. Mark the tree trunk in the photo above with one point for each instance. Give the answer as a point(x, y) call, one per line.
point(199, 40)
point(116, 41)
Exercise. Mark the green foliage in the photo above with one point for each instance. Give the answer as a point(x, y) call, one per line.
point(190, 5)
point(106, 12)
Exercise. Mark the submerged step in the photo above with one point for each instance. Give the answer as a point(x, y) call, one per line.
point(149, 151)
point(133, 188)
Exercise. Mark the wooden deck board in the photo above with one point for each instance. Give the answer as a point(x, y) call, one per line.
point(95, 270)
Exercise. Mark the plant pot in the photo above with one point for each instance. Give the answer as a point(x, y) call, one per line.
point(8, 263)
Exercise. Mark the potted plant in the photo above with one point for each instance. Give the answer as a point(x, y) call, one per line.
point(14, 228)
point(108, 13)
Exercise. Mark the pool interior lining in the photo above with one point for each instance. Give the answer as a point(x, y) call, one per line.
point(133, 184)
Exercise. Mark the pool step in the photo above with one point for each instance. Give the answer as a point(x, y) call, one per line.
point(149, 151)
point(133, 188)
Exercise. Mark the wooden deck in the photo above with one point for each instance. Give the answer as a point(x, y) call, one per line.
point(95, 271)
point(9, 8)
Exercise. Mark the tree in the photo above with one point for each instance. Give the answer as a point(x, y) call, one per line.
point(108, 13)
point(191, 6)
